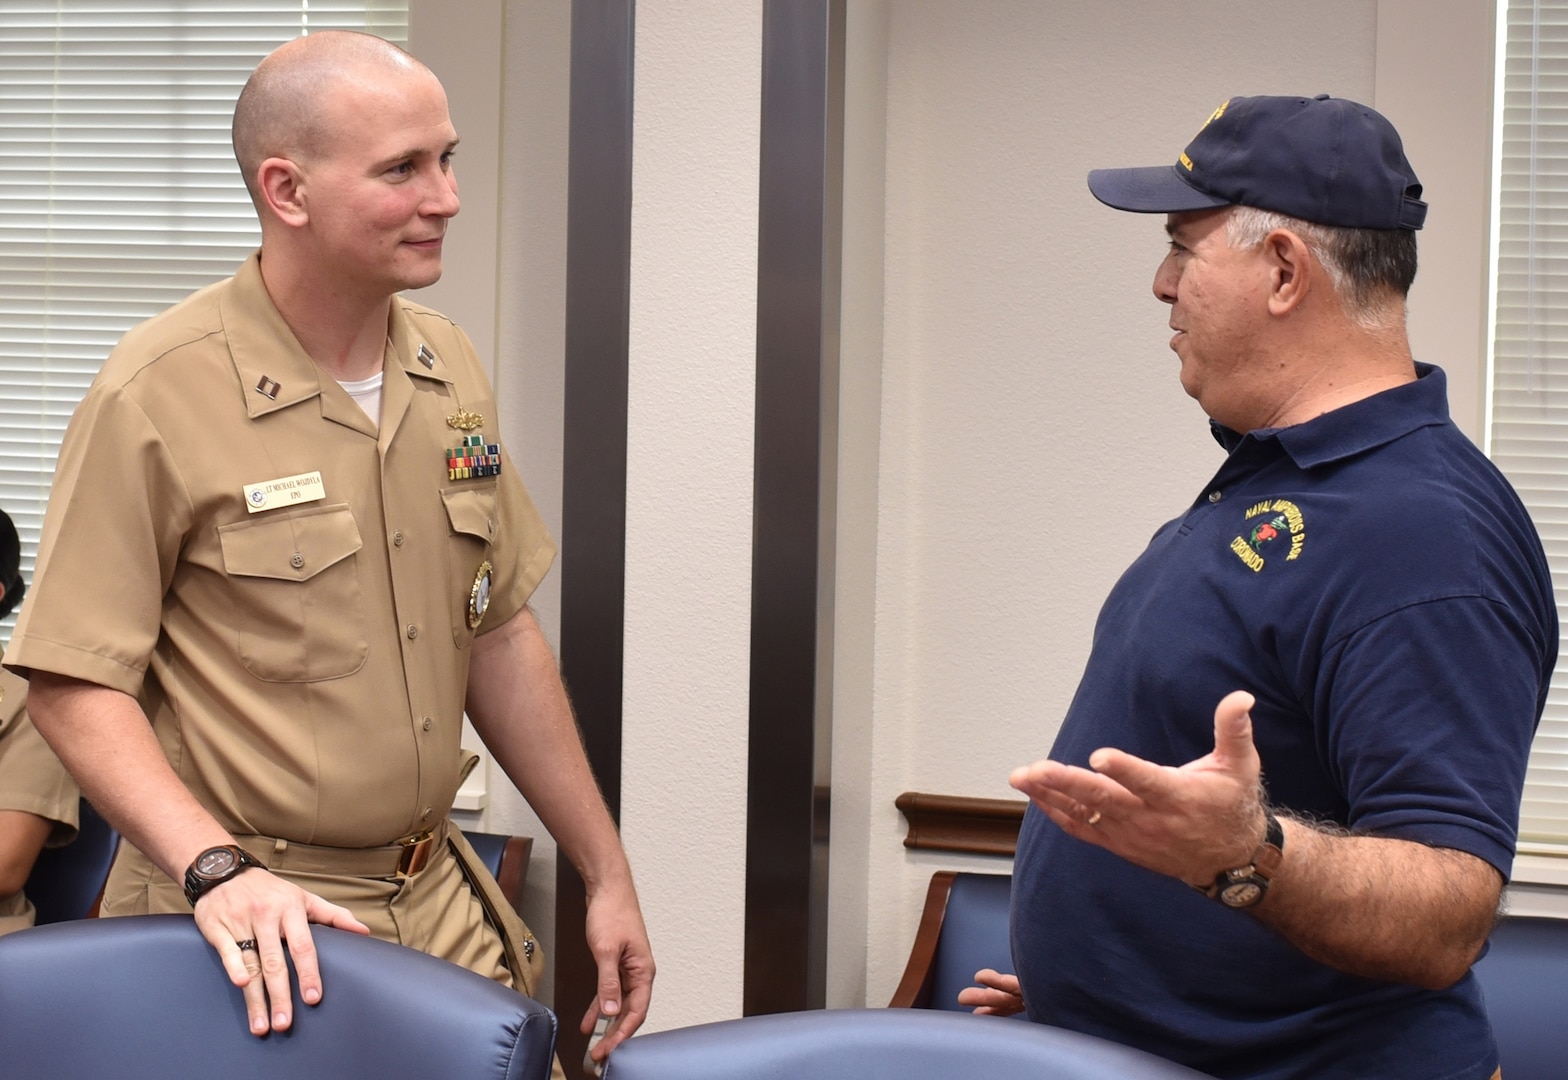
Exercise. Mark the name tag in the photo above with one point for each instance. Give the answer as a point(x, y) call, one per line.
point(288, 491)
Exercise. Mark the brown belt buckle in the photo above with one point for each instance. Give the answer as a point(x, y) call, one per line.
point(415, 854)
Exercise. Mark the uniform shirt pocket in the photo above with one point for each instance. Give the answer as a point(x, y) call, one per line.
point(297, 599)
point(471, 514)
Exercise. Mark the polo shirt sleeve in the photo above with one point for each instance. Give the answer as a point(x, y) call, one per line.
point(1431, 711)
point(113, 530)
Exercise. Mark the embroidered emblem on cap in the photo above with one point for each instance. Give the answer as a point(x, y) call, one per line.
point(479, 595)
point(1274, 522)
point(1186, 162)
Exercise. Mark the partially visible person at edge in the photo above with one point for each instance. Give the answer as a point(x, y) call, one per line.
point(38, 799)
point(285, 551)
point(1275, 826)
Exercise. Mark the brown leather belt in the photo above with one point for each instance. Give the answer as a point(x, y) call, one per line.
point(403, 858)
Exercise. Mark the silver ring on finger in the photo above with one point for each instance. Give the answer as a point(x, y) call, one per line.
point(248, 945)
point(1093, 819)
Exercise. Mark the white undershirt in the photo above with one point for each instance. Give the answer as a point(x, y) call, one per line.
point(368, 393)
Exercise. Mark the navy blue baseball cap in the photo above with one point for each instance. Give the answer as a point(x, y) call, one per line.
point(1325, 160)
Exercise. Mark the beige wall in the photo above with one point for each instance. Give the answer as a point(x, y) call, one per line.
point(1033, 433)
point(1012, 427)
point(690, 423)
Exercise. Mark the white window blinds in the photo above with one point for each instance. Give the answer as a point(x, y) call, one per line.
point(118, 189)
point(1528, 417)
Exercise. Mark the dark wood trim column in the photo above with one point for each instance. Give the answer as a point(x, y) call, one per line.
point(789, 779)
point(593, 496)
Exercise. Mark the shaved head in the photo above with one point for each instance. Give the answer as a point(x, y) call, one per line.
point(282, 110)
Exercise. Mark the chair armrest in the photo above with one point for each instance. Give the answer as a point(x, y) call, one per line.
point(914, 989)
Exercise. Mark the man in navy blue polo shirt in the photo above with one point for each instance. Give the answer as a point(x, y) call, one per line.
point(1274, 829)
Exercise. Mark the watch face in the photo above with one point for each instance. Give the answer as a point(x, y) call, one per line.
point(214, 862)
point(1241, 894)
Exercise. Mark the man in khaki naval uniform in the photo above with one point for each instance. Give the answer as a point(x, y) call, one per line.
point(38, 799)
point(38, 803)
point(284, 532)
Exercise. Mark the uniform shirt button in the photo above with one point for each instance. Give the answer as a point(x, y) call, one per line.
point(296, 560)
point(397, 538)
point(1216, 496)
point(413, 631)
point(426, 724)
point(426, 813)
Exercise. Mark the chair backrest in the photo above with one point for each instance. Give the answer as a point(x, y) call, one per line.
point(66, 882)
point(880, 1044)
point(1524, 978)
point(963, 929)
point(1524, 974)
point(974, 935)
point(144, 996)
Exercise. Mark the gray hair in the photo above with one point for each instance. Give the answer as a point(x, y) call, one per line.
point(1369, 268)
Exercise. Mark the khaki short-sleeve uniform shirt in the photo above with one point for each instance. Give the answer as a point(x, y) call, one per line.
point(31, 780)
point(290, 592)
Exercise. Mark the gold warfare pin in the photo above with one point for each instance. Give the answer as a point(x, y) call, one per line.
point(463, 420)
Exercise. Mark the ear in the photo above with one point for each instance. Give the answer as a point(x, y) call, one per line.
point(1291, 270)
point(282, 188)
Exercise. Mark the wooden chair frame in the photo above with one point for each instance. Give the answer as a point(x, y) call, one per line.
point(914, 989)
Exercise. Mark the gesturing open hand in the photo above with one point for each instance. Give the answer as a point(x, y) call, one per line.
point(1190, 821)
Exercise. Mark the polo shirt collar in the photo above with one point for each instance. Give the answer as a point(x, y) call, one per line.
point(1358, 427)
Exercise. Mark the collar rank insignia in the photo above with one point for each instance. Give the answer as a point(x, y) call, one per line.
point(473, 459)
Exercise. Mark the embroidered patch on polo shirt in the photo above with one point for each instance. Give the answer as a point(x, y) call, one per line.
point(1272, 529)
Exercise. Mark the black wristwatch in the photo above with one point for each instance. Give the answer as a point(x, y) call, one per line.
point(1245, 885)
point(213, 867)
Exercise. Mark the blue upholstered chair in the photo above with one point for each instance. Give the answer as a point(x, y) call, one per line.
point(963, 928)
point(145, 998)
point(66, 882)
point(880, 1044)
point(1524, 976)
